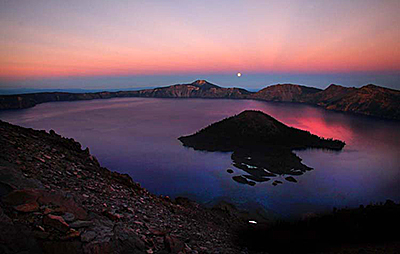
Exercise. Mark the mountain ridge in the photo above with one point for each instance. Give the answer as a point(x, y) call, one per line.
point(370, 100)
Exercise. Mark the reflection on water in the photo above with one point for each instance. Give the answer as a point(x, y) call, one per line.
point(138, 136)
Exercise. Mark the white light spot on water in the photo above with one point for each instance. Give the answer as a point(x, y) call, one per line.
point(249, 166)
point(252, 221)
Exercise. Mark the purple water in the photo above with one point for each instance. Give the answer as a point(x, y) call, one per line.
point(138, 136)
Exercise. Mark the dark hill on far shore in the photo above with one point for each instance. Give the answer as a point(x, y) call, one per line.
point(197, 89)
point(286, 93)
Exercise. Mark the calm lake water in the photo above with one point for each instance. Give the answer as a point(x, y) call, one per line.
point(138, 136)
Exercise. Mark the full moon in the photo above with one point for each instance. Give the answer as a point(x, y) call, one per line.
point(239, 74)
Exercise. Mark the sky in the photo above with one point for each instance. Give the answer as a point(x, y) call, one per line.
point(124, 44)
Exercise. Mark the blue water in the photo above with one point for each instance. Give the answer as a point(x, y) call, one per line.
point(138, 136)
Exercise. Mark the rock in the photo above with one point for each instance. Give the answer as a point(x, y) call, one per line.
point(251, 183)
point(41, 234)
point(62, 247)
point(157, 232)
point(243, 180)
point(28, 207)
point(56, 222)
point(138, 223)
point(71, 234)
point(230, 171)
point(66, 204)
point(68, 217)
point(276, 182)
point(19, 197)
point(291, 179)
point(173, 244)
point(81, 224)
point(183, 201)
point(99, 248)
point(163, 252)
point(47, 210)
point(88, 236)
point(129, 241)
point(113, 216)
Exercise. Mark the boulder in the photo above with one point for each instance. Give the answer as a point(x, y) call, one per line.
point(56, 222)
point(19, 197)
point(173, 244)
point(32, 206)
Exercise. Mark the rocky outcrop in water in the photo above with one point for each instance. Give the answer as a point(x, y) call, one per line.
point(261, 145)
point(251, 130)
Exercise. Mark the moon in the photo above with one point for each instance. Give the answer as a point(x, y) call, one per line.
point(239, 74)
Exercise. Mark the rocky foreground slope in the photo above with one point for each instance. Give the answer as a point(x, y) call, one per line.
point(368, 100)
point(56, 198)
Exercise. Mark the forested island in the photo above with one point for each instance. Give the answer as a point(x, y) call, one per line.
point(261, 145)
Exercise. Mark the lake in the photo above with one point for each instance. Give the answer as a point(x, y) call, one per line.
point(138, 136)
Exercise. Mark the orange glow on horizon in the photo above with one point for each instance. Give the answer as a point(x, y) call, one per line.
point(295, 37)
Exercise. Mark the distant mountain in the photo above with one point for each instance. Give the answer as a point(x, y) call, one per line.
point(11, 91)
point(21, 101)
point(285, 93)
point(197, 89)
point(368, 100)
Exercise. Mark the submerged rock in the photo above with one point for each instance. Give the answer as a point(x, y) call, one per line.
point(243, 180)
point(291, 179)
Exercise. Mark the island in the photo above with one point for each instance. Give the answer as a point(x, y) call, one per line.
point(261, 145)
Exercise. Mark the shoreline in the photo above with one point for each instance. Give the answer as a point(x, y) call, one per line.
point(369, 100)
point(56, 196)
point(60, 197)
